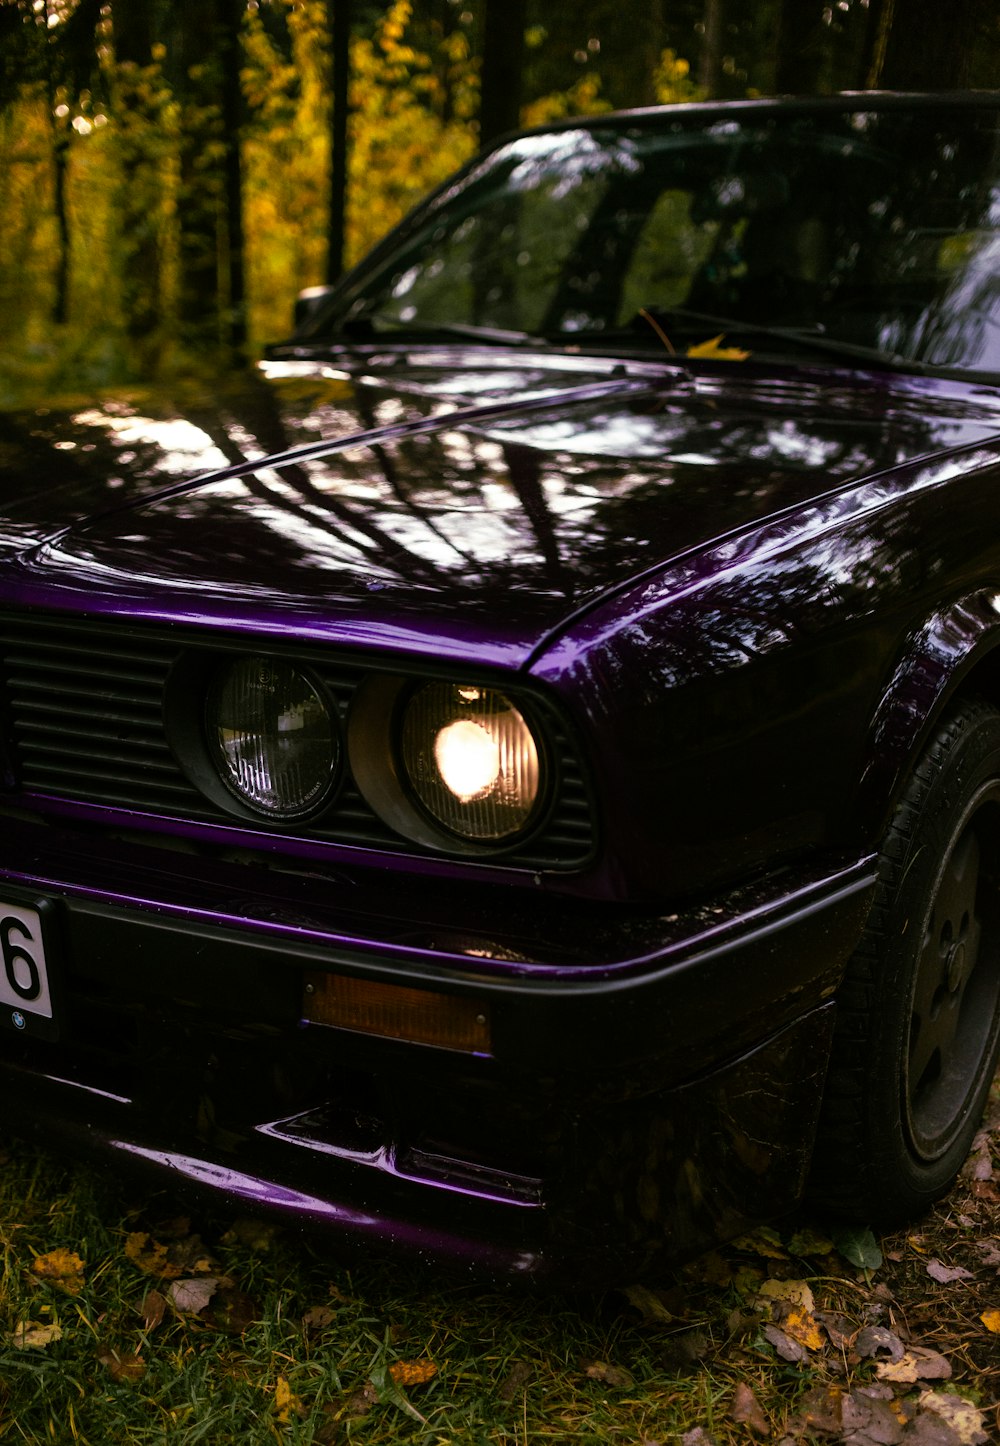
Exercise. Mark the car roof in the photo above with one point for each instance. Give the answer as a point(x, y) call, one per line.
point(841, 101)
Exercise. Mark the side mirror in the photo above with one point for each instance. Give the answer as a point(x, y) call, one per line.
point(308, 302)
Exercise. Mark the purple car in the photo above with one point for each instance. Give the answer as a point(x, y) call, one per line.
point(516, 778)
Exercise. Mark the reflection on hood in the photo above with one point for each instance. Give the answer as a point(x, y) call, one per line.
point(501, 497)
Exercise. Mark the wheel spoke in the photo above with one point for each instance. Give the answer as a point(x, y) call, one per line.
point(930, 971)
point(946, 961)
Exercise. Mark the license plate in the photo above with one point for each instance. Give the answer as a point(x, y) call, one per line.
point(25, 997)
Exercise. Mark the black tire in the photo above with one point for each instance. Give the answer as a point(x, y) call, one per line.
point(918, 1020)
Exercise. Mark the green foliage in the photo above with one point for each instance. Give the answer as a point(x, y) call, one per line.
point(144, 174)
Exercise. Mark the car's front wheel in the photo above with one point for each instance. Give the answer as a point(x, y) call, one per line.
point(918, 1024)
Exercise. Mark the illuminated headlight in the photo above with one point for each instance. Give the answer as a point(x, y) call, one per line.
point(471, 759)
point(272, 738)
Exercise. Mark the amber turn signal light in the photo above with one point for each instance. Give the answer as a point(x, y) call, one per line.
point(420, 1016)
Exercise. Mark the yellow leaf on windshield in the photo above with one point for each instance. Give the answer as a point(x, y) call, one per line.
point(713, 350)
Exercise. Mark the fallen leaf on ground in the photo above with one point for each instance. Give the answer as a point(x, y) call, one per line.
point(150, 1256)
point(765, 1241)
point(606, 1373)
point(62, 1268)
point(412, 1373)
point(796, 1292)
point(918, 1364)
point(232, 1311)
point(30, 1335)
point(810, 1242)
point(819, 1410)
point(876, 1343)
point(803, 1327)
point(990, 1251)
point(697, 1436)
point(991, 1320)
point(869, 1421)
point(961, 1415)
point(257, 1234)
point(945, 1274)
point(929, 1429)
point(712, 1268)
point(122, 1365)
point(746, 1411)
point(979, 1165)
point(390, 1391)
point(192, 1296)
point(285, 1402)
point(839, 1329)
point(787, 1349)
point(360, 1402)
point(154, 1308)
point(317, 1318)
point(650, 1303)
point(515, 1381)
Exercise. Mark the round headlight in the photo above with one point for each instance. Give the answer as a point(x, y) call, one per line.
point(272, 737)
point(471, 759)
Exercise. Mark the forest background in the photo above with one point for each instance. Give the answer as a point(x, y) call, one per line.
point(173, 172)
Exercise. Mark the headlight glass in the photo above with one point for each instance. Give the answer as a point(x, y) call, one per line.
point(272, 737)
point(471, 759)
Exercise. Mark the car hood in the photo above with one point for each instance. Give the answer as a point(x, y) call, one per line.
point(435, 502)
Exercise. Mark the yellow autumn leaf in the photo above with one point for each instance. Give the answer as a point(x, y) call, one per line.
point(713, 350)
point(285, 1400)
point(803, 1327)
point(765, 1241)
point(412, 1373)
point(150, 1256)
point(991, 1320)
point(29, 1335)
point(63, 1268)
point(795, 1292)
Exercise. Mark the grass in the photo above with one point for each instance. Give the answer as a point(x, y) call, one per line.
point(285, 1344)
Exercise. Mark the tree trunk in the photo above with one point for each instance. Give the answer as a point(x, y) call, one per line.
point(230, 56)
point(799, 53)
point(200, 86)
point(60, 165)
point(339, 26)
point(930, 46)
point(503, 56)
point(710, 68)
point(139, 188)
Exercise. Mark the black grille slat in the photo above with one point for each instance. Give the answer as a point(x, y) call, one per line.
point(84, 706)
point(44, 709)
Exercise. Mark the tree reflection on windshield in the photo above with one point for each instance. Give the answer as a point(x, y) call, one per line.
point(878, 228)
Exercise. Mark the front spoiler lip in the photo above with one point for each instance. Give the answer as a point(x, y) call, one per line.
point(176, 1165)
point(581, 1234)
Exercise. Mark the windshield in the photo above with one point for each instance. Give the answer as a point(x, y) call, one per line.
point(875, 228)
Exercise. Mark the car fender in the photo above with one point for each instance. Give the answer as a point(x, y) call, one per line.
point(956, 650)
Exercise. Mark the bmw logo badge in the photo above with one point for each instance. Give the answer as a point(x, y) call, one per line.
point(18, 1020)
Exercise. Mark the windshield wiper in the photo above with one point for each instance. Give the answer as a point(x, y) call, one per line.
point(798, 336)
point(363, 328)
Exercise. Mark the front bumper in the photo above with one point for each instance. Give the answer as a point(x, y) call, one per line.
point(651, 1084)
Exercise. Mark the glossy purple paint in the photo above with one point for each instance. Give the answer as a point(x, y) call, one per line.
point(749, 591)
